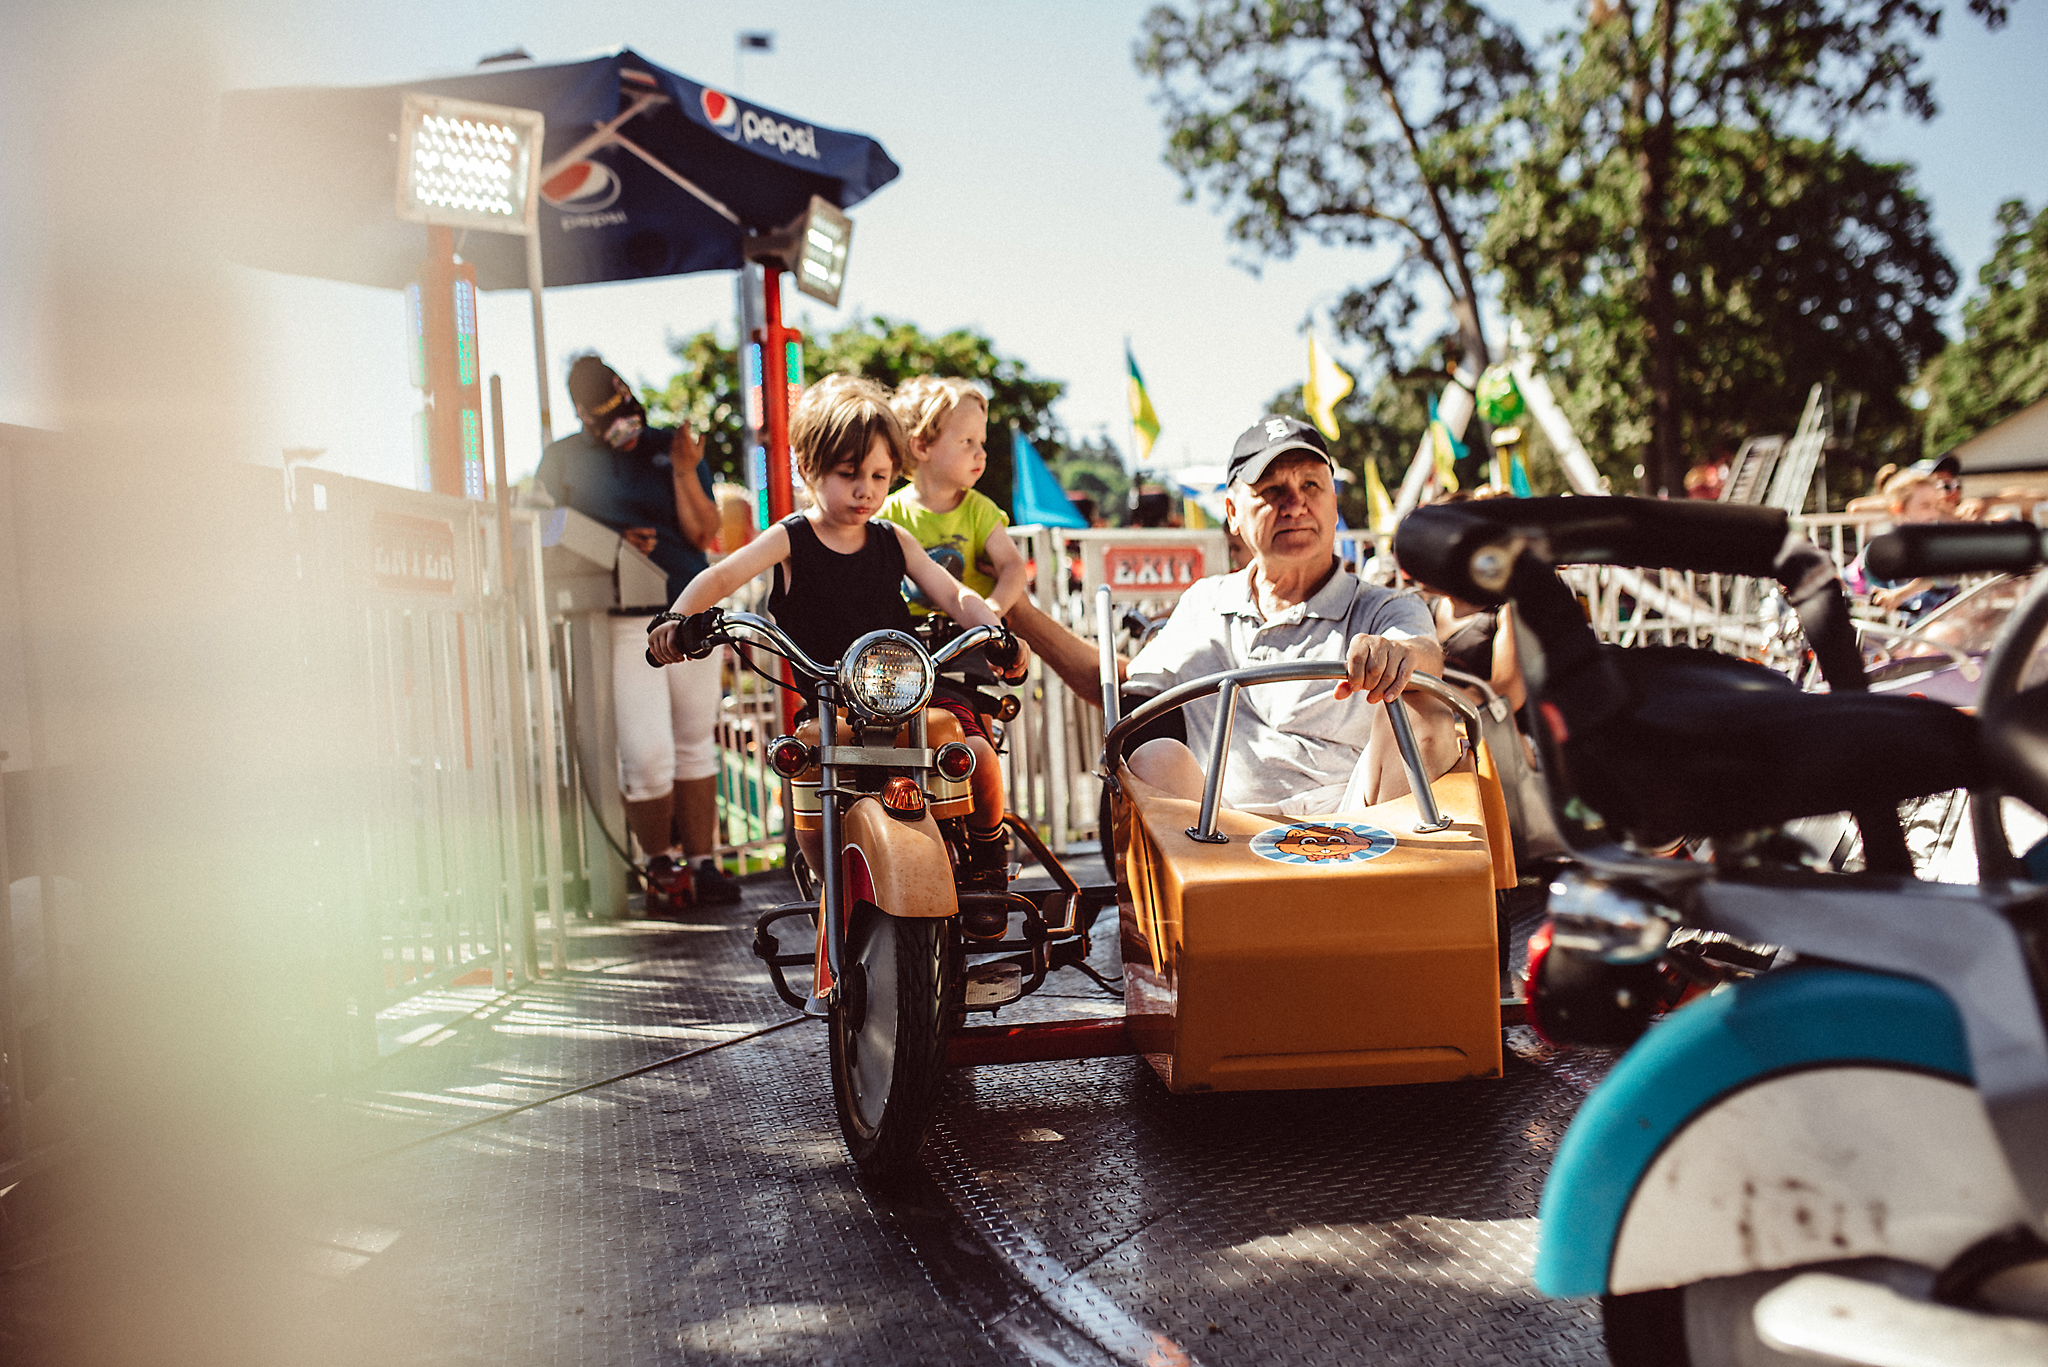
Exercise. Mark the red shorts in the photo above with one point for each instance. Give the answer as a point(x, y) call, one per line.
point(969, 722)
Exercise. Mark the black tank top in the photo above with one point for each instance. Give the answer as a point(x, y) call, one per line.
point(839, 598)
point(1470, 647)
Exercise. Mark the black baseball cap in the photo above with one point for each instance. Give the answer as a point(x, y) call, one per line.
point(594, 386)
point(1270, 438)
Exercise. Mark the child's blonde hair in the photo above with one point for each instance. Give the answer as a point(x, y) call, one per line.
point(836, 423)
point(924, 404)
point(1899, 487)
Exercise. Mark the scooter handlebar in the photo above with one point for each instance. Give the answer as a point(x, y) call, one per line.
point(1924, 549)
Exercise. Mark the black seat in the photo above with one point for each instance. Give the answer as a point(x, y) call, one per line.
point(1695, 743)
point(1661, 742)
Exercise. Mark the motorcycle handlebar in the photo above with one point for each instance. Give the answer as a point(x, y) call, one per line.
point(734, 628)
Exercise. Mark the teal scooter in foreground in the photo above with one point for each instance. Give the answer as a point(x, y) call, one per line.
point(1839, 1153)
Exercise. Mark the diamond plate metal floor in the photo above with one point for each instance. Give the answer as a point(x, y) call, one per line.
point(1076, 1212)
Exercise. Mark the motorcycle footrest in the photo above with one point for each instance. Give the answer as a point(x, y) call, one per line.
point(769, 950)
point(988, 986)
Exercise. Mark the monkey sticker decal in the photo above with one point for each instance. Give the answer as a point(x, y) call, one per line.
point(1323, 844)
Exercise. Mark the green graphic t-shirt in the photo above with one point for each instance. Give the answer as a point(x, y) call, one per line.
point(958, 540)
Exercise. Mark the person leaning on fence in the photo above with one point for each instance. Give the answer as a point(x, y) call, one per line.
point(838, 568)
point(650, 485)
point(1298, 749)
point(1911, 495)
point(945, 428)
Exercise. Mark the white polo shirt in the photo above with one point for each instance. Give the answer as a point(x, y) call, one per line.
point(1290, 739)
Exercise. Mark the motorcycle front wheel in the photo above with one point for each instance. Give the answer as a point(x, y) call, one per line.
point(888, 1037)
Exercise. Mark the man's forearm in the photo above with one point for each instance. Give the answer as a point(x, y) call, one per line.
point(1067, 655)
point(695, 512)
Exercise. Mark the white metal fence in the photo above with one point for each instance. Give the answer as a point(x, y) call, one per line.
point(421, 632)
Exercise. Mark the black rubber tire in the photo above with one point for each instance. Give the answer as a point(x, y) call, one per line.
point(1646, 1329)
point(887, 1066)
point(1703, 1324)
point(1106, 833)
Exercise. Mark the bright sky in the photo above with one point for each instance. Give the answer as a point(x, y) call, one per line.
point(1033, 206)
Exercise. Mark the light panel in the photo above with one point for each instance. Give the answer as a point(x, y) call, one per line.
point(468, 165)
point(823, 239)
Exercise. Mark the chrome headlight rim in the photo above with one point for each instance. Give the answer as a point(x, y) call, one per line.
point(1611, 922)
point(849, 674)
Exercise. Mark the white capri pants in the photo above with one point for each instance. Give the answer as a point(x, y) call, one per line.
point(666, 717)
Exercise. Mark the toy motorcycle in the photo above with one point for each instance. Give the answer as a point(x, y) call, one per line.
point(901, 949)
point(1843, 1158)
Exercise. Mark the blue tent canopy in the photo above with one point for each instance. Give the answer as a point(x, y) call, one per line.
point(1035, 496)
point(314, 172)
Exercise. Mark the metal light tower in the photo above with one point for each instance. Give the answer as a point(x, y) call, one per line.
point(470, 166)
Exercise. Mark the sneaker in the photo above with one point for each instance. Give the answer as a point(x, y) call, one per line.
point(669, 887)
point(714, 889)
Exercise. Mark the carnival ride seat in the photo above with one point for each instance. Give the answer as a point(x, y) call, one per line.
point(1654, 743)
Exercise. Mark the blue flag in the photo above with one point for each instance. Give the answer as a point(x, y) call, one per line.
point(1035, 496)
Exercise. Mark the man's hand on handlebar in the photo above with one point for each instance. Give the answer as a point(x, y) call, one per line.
point(1381, 665)
point(687, 638)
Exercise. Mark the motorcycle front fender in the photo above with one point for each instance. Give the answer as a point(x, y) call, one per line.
point(1798, 1117)
point(900, 866)
point(907, 865)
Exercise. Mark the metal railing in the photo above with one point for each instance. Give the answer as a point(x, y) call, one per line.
point(444, 805)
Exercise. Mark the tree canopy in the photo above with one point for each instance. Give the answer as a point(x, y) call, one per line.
point(1356, 123)
point(2000, 364)
point(1672, 203)
point(1792, 262)
point(1660, 109)
point(705, 390)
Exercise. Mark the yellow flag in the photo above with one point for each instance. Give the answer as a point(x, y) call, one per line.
point(1327, 385)
point(1446, 459)
point(1144, 422)
point(1379, 509)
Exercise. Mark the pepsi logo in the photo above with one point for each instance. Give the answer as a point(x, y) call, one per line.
point(582, 187)
point(723, 111)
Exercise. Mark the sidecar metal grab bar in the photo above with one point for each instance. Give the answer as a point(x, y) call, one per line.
point(1226, 685)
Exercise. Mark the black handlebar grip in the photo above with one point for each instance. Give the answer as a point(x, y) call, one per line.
point(1925, 549)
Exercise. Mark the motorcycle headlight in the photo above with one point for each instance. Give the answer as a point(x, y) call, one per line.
point(887, 675)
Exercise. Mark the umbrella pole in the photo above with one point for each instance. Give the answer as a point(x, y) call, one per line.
point(540, 335)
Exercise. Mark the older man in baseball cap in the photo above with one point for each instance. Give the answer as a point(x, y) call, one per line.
point(1297, 749)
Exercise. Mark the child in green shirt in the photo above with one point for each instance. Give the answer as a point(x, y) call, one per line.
point(946, 421)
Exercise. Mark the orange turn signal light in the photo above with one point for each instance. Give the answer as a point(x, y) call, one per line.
point(903, 797)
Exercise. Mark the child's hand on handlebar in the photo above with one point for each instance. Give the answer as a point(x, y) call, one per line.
point(685, 638)
point(1008, 657)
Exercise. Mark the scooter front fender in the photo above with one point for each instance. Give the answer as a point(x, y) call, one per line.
point(1811, 1114)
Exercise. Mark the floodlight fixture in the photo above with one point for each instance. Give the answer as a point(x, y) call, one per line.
point(467, 165)
point(812, 247)
point(821, 251)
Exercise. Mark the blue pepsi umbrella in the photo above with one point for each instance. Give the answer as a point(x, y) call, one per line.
point(645, 173)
